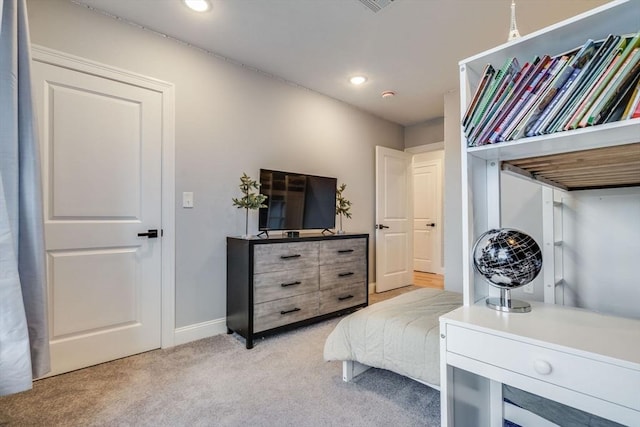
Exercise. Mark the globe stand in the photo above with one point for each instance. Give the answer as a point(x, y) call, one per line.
point(505, 303)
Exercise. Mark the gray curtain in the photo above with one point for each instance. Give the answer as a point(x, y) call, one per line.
point(24, 341)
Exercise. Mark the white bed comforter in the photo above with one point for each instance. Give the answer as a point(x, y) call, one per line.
point(400, 334)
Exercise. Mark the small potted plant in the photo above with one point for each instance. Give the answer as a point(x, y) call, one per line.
point(250, 200)
point(342, 205)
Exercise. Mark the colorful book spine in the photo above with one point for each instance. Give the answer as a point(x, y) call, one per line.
point(547, 97)
point(573, 70)
point(620, 88)
point(593, 84)
point(507, 72)
point(594, 113)
point(532, 76)
point(583, 99)
point(633, 43)
point(501, 108)
point(595, 65)
point(480, 91)
point(530, 99)
point(489, 96)
point(634, 103)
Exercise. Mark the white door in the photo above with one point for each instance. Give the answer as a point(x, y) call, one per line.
point(393, 219)
point(101, 163)
point(427, 222)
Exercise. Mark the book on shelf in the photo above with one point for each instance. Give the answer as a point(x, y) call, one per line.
point(573, 70)
point(617, 107)
point(634, 103)
point(526, 110)
point(620, 87)
point(591, 70)
point(502, 105)
point(585, 97)
point(485, 82)
point(538, 75)
point(500, 82)
point(488, 94)
point(546, 96)
point(598, 85)
point(531, 74)
point(593, 84)
point(635, 110)
point(609, 81)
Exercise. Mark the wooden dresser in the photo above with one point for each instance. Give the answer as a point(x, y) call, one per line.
point(275, 283)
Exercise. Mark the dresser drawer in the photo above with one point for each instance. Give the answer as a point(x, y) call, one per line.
point(592, 377)
point(335, 275)
point(272, 314)
point(284, 284)
point(342, 250)
point(336, 299)
point(284, 256)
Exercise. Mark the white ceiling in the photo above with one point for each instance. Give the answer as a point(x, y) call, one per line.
point(411, 47)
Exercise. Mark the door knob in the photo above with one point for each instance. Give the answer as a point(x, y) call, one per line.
point(381, 226)
point(431, 224)
point(152, 234)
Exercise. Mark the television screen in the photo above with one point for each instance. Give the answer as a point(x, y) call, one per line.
point(297, 201)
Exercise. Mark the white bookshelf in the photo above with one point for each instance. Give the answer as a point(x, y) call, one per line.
point(480, 165)
point(536, 338)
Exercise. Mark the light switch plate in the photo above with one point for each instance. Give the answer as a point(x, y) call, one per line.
point(187, 199)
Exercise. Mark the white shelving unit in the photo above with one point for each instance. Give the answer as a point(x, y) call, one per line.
point(539, 351)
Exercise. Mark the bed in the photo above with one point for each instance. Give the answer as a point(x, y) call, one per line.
point(400, 334)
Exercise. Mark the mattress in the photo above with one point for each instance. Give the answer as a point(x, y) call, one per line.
point(400, 334)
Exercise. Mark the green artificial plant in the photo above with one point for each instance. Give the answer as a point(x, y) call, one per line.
point(342, 205)
point(250, 200)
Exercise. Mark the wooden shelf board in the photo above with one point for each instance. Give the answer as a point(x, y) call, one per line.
point(605, 167)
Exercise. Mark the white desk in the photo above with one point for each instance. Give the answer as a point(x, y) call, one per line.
point(576, 357)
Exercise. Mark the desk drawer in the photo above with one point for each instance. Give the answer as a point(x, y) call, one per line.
point(285, 256)
point(592, 377)
point(269, 315)
point(284, 284)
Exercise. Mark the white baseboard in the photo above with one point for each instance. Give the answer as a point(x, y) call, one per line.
point(199, 331)
point(372, 287)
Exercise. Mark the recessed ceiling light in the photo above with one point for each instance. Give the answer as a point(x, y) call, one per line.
point(198, 5)
point(388, 94)
point(357, 80)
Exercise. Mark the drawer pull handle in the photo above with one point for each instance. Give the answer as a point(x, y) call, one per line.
point(284, 285)
point(542, 367)
point(283, 312)
point(290, 256)
point(345, 274)
point(345, 251)
point(344, 298)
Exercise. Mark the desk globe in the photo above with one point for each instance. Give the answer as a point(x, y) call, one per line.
point(507, 259)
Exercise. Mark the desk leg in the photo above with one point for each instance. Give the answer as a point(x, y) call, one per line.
point(495, 404)
point(446, 383)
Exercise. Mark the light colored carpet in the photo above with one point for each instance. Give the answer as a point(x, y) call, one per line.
point(282, 381)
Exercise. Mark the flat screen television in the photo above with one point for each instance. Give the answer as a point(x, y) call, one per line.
point(297, 201)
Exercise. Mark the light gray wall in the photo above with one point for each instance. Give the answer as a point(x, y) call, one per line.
point(229, 120)
point(452, 194)
point(428, 132)
point(601, 243)
point(521, 208)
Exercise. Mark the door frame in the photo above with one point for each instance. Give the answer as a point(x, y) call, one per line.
point(167, 91)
